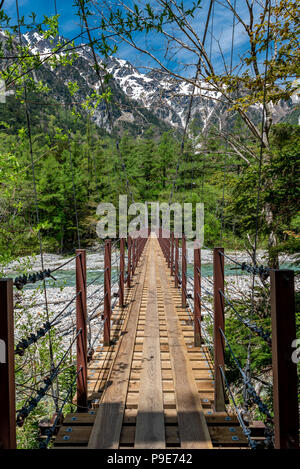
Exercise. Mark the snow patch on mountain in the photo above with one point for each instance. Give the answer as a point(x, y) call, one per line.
point(162, 95)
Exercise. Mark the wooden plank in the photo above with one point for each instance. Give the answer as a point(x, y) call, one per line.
point(127, 435)
point(130, 416)
point(172, 436)
point(150, 430)
point(168, 385)
point(223, 435)
point(169, 400)
point(170, 416)
point(193, 429)
point(132, 400)
point(167, 374)
point(205, 385)
point(73, 435)
point(221, 418)
point(79, 419)
point(108, 423)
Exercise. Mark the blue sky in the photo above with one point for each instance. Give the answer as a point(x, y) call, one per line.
point(69, 27)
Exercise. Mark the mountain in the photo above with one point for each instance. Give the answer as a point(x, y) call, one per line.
point(139, 99)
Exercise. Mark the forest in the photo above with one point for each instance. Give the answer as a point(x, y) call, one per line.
point(64, 148)
point(90, 157)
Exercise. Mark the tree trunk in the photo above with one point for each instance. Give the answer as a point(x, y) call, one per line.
point(272, 237)
point(267, 125)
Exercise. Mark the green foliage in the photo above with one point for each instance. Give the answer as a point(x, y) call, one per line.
point(279, 192)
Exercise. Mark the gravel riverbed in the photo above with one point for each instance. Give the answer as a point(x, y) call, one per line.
point(33, 300)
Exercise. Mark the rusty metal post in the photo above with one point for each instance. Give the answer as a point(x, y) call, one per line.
point(122, 269)
point(140, 247)
point(133, 256)
point(285, 401)
point(81, 325)
point(176, 262)
point(197, 297)
point(7, 367)
point(168, 251)
point(172, 254)
point(219, 323)
point(129, 262)
point(107, 292)
point(183, 271)
point(136, 252)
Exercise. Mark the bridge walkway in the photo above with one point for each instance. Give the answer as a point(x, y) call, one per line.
point(151, 388)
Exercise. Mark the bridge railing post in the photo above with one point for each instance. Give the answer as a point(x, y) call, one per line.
point(172, 253)
point(137, 253)
point(7, 367)
point(129, 247)
point(219, 323)
point(176, 262)
point(183, 272)
point(122, 272)
point(197, 297)
point(168, 251)
point(285, 399)
point(107, 292)
point(81, 325)
point(133, 255)
point(140, 247)
point(162, 244)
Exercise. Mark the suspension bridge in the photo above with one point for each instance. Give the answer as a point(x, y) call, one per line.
point(151, 378)
point(148, 375)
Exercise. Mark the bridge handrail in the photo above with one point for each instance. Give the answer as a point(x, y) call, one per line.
point(282, 286)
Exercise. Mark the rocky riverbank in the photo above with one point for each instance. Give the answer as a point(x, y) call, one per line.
point(95, 260)
point(33, 301)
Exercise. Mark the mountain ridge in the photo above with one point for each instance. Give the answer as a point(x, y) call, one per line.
point(144, 99)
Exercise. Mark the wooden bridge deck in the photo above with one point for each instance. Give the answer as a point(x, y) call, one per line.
point(151, 388)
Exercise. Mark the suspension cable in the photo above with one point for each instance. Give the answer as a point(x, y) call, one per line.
point(50, 432)
point(246, 430)
point(247, 322)
point(36, 203)
point(33, 402)
point(248, 364)
point(262, 407)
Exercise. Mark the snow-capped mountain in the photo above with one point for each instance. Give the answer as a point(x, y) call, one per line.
point(162, 96)
point(139, 98)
